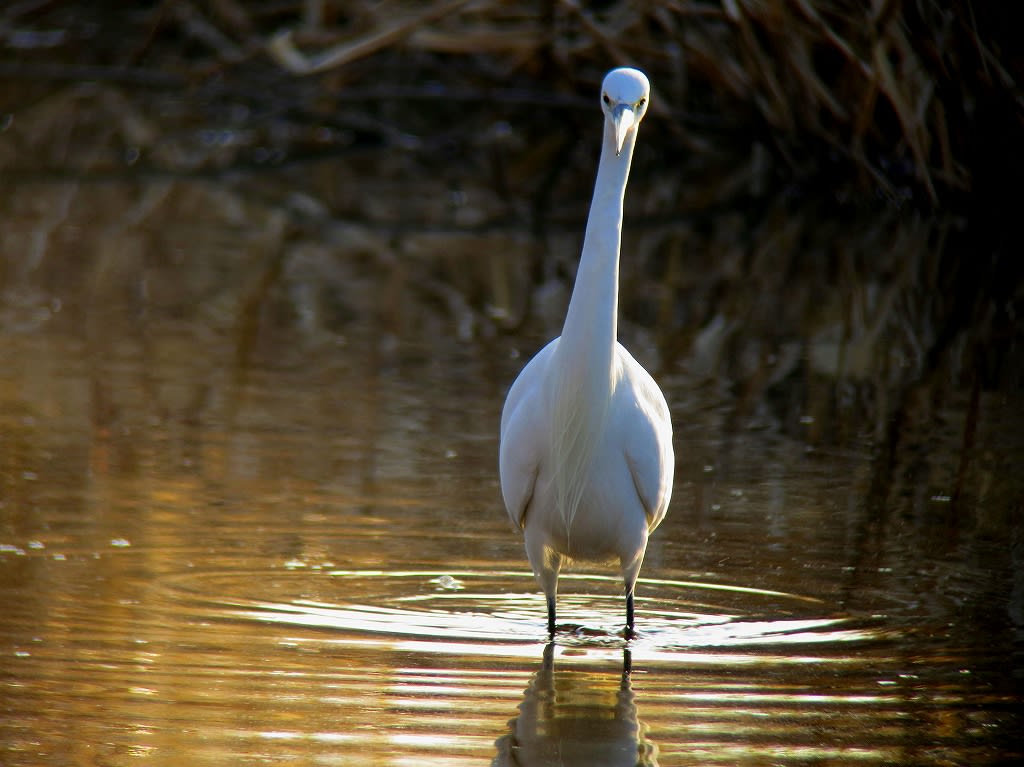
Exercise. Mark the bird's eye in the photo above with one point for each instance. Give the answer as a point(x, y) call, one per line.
point(640, 104)
point(605, 99)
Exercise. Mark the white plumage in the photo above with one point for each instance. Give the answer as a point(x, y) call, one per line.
point(586, 457)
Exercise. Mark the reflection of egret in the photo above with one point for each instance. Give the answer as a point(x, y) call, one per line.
point(577, 717)
point(586, 439)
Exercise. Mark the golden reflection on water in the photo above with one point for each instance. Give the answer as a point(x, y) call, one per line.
point(577, 718)
point(306, 561)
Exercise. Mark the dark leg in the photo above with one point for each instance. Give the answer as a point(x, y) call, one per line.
point(630, 633)
point(549, 657)
point(551, 617)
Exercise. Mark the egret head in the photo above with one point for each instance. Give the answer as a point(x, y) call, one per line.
point(625, 94)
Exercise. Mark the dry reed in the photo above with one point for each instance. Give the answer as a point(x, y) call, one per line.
point(878, 96)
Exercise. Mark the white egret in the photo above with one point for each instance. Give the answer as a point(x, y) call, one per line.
point(586, 455)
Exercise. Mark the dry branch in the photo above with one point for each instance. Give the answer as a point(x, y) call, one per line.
point(283, 49)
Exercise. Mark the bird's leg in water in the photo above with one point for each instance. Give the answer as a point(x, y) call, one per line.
point(551, 617)
point(630, 633)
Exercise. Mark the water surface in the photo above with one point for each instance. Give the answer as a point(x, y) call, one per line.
point(310, 563)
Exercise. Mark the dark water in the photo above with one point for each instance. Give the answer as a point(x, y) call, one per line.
point(249, 513)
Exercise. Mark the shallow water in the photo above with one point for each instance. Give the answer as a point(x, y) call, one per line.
point(249, 509)
point(302, 557)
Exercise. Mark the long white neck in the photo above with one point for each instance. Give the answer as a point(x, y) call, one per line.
point(591, 324)
point(583, 375)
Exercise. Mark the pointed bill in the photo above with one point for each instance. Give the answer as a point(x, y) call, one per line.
point(623, 118)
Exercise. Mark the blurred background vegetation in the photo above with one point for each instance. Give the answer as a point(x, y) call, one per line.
point(909, 100)
point(818, 216)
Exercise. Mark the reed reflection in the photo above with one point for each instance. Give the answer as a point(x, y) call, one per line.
point(577, 716)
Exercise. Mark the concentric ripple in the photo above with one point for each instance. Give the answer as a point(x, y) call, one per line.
point(501, 613)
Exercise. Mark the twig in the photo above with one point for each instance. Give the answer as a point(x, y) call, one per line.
point(283, 50)
point(905, 115)
point(196, 26)
point(822, 26)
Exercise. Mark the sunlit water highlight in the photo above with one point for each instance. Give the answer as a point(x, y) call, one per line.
point(285, 586)
point(468, 613)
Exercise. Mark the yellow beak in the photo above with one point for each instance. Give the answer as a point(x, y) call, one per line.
point(623, 119)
